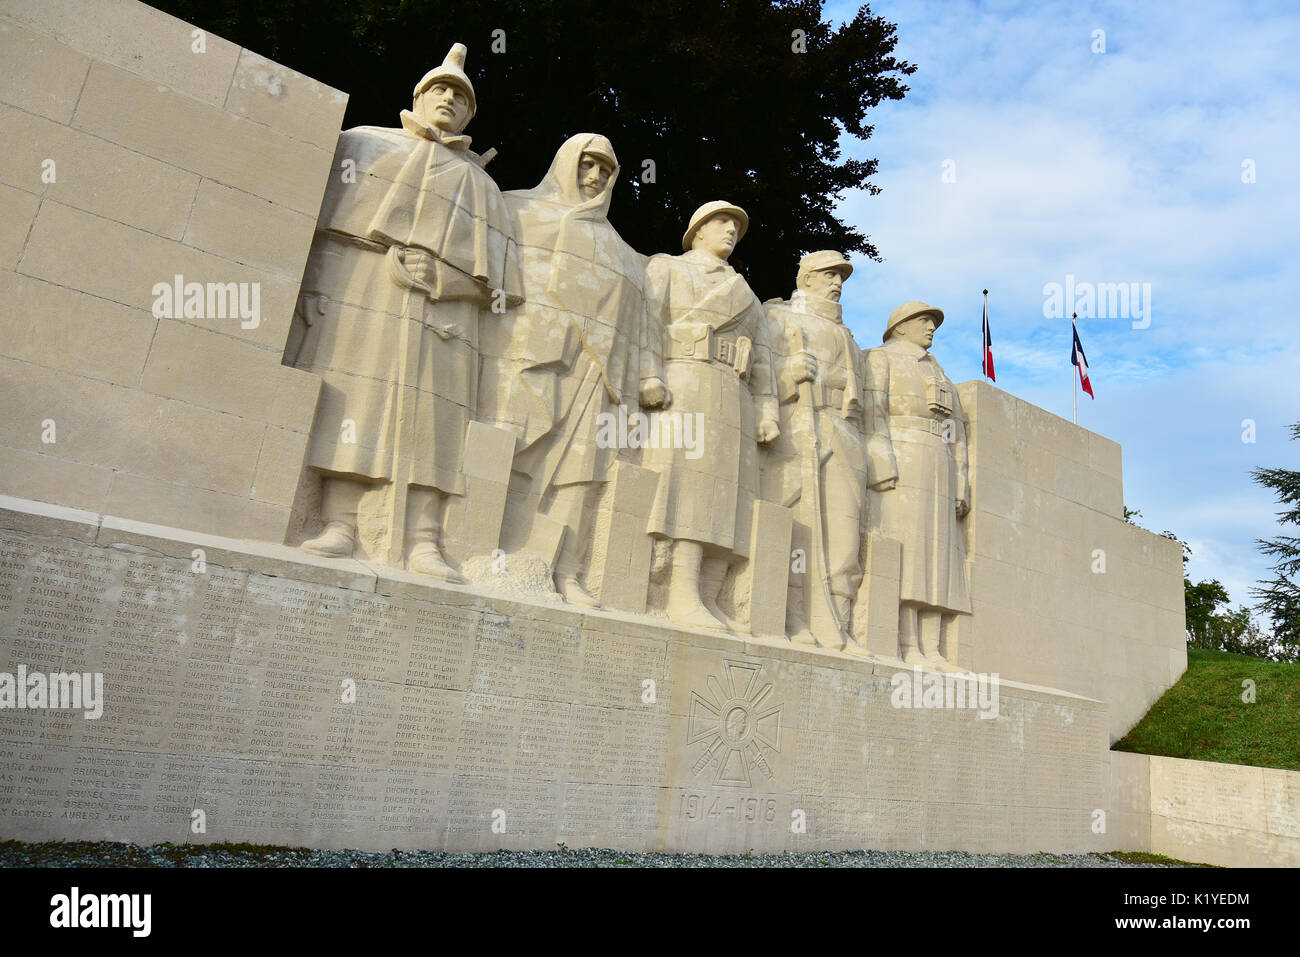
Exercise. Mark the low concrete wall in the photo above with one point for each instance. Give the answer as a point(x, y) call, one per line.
point(1128, 820)
point(1230, 815)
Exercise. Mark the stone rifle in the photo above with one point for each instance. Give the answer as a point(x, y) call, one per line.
point(819, 568)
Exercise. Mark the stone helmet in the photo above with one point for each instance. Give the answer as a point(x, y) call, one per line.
point(824, 259)
point(912, 310)
point(452, 70)
point(713, 209)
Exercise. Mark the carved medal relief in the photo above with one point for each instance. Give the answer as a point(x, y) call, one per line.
point(738, 720)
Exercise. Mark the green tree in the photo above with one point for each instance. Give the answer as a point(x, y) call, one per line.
point(1202, 601)
point(1279, 597)
point(1239, 634)
point(1214, 625)
point(715, 95)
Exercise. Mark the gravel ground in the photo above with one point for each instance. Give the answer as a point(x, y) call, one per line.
point(109, 854)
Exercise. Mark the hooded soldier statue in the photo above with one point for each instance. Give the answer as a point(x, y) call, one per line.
point(717, 357)
point(819, 466)
point(414, 242)
point(926, 453)
point(574, 347)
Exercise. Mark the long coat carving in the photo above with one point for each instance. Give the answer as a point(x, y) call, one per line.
point(710, 319)
point(577, 339)
point(369, 334)
point(927, 451)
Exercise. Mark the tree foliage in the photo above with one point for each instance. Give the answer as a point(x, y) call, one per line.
point(1279, 597)
point(1227, 630)
point(1202, 601)
point(1214, 625)
point(713, 94)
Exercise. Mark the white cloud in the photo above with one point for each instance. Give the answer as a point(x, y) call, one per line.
point(1121, 167)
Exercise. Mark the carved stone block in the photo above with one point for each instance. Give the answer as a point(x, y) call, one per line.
point(619, 570)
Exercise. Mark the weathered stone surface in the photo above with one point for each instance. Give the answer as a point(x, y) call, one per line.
point(1066, 594)
point(432, 371)
point(142, 173)
point(39, 76)
point(305, 713)
point(135, 37)
point(1228, 815)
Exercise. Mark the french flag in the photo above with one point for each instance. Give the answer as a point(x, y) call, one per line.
point(988, 341)
point(1079, 359)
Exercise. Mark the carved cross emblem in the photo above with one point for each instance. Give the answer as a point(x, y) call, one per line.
point(737, 723)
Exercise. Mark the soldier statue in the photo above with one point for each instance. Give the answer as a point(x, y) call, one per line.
point(717, 363)
point(820, 468)
point(414, 242)
point(927, 454)
point(574, 348)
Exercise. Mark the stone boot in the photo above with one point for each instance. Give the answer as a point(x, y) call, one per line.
point(910, 653)
point(930, 656)
point(684, 605)
point(712, 573)
point(853, 648)
point(425, 559)
point(337, 541)
point(572, 591)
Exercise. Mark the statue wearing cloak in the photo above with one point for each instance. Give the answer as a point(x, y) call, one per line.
point(413, 243)
point(575, 344)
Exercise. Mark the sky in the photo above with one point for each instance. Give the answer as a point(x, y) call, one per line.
point(1022, 155)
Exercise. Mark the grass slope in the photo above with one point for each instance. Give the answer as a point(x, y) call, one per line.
point(1204, 718)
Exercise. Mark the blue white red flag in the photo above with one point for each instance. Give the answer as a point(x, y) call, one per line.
point(1079, 359)
point(988, 341)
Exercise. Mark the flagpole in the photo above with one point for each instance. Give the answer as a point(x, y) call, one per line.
point(1074, 376)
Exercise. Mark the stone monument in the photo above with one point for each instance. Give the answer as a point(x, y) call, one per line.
point(575, 350)
point(493, 531)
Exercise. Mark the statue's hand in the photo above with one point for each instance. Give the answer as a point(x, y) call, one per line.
point(419, 263)
point(654, 393)
point(768, 431)
point(887, 485)
point(804, 367)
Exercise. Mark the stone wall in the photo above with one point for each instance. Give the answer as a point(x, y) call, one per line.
point(226, 691)
point(1229, 815)
point(131, 158)
point(1066, 594)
